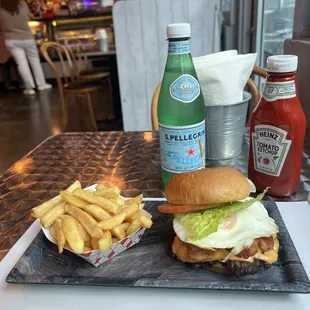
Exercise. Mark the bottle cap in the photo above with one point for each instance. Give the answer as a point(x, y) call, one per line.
point(282, 63)
point(179, 30)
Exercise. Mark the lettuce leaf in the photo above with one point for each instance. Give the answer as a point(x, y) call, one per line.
point(204, 223)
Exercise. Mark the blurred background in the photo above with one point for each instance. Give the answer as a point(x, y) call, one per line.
point(259, 26)
point(133, 56)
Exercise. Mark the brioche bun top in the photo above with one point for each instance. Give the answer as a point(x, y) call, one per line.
point(209, 186)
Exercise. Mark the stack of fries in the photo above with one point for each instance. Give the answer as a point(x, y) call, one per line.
point(83, 220)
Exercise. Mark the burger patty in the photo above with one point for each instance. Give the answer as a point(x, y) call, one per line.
point(237, 268)
point(198, 257)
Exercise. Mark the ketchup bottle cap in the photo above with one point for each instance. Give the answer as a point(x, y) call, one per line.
point(282, 63)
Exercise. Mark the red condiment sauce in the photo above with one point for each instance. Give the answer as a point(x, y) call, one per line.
point(277, 131)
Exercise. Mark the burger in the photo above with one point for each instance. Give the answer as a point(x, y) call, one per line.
point(217, 225)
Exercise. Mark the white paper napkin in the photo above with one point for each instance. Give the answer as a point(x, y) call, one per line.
point(223, 76)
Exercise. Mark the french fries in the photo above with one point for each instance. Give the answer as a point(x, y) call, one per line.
point(74, 186)
point(105, 242)
point(72, 234)
point(118, 232)
point(60, 236)
point(85, 235)
point(72, 200)
point(83, 220)
point(130, 210)
point(100, 186)
point(46, 206)
point(134, 226)
point(40, 210)
point(145, 222)
point(112, 222)
point(108, 192)
point(118, 200)
point(102, 202)
point(49, 218)
point(97, 212)
point(53, 232)
point(86, 220)
point(87, 249)
point(137, 200)
point(94, 243)
point(124, 225)
point(131, 219)
point(114, 240)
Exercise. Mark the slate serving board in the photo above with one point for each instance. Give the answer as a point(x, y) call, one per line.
point(150, 264)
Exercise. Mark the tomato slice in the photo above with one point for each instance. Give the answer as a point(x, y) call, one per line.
point(183, 208)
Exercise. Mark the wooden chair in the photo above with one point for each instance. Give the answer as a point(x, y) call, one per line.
point(82, 67)
point(67, 79)
point(250, 83)
point(76, 46)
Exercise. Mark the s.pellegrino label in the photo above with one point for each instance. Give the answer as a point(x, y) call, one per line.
point(185, 88)
point(182, 147)
point(279, 90)
point(179, 47)
point(270, 149)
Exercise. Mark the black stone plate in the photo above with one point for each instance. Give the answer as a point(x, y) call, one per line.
point(150, 264)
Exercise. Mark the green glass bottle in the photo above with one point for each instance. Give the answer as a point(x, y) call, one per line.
point(180, 108)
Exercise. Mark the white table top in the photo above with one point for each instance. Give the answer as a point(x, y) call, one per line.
point(38, 297)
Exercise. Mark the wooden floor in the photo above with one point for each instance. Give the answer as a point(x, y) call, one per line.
point(27, 121)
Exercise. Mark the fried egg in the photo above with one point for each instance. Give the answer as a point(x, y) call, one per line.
point(235, 232)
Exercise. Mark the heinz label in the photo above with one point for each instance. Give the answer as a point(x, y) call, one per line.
point(181, 147)
point(270, 149)
point(279, 90)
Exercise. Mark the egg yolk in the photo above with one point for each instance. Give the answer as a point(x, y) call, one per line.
point(228, 222)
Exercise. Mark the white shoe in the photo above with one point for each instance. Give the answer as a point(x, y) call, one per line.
point(44, 87)
point(29, 92)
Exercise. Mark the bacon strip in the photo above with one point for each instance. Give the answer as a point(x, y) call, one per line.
point(262, 244)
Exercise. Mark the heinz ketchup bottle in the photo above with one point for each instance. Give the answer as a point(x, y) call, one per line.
point(277, 130)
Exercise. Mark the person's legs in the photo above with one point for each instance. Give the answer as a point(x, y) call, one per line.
point(7, 76)
point(20, 58)
point(16, 74)
point(34, 60)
